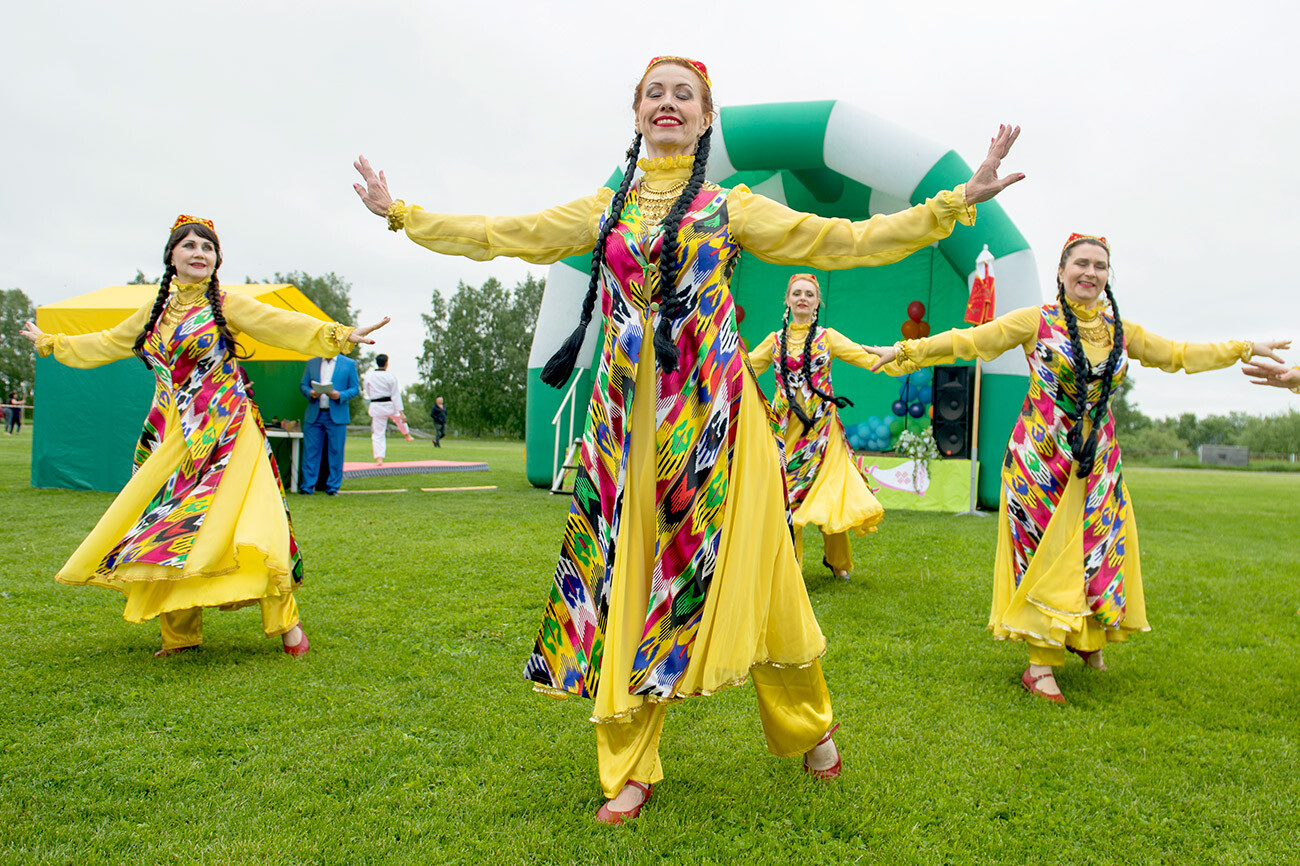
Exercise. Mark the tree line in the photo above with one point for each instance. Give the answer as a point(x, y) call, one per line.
point(1262, 434)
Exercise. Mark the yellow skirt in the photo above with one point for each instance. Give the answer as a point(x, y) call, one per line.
point(756, 610)
point(240, 553)
point(1050, 607)
point(839, 499)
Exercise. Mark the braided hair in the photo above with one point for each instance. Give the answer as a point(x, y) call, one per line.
point(213, 292)
point(673, 302)
point(783, 372)
point(1084, 451)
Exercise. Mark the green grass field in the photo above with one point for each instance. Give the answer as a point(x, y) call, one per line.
point(407, 735)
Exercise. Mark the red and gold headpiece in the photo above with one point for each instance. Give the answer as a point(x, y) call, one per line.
point(1076, 236)
point(700, 68)
point(812, 278)
point(186, 219)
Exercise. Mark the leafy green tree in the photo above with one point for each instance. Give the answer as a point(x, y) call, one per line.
point(476, 355)
point(1128, 418)
point(1273, 434)
point(140, 279)
point(1154, 440)
point(17, 360)
point(330, 292)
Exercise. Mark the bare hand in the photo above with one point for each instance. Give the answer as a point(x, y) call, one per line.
point(1269, 349)
point(374, 194)
point(315, 395)
point(884, 354)
point(333, 395)
point(31, 332)
point(984, 183)
point(1264, 373)
point(359, 335)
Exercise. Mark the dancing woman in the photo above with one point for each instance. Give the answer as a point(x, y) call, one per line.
point(825, 484)
point(677, 576)
point(1067, 575)
point(203, 521)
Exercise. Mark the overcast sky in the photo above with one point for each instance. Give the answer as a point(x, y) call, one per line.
point(1172, 129)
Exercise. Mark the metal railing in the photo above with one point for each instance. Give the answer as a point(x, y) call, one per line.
point(571, 402)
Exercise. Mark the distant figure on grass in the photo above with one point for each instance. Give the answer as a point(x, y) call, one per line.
point(385, 405)
point(439, 415)
point(1067, 574)
point(825, 484)
point(14, 413)
point(677, 574)
point(203, 521)
point(328, 384)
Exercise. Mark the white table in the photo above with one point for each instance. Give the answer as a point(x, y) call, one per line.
point(295, 438)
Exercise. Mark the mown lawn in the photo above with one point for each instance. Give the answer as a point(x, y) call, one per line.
point(407, 735)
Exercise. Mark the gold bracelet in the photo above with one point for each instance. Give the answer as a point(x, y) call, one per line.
point(396, 215)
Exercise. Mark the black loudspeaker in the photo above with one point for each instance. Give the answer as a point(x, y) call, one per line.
point(953, 393)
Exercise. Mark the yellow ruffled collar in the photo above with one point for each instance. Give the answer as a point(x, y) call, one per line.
point(1085, 313)
point(681, 160)
point(797, 328)
point(189, 288)
point(665, 171)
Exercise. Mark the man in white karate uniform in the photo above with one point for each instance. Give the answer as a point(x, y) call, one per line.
point(385, 397)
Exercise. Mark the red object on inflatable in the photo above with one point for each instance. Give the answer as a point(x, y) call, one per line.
point(740, 314)
point(916, 311)
point(923, 329)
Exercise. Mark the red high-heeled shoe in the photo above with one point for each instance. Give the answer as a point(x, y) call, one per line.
point(833, 771)
point(1088, 655)
point(299, 649)
point(1031, 685)
point(606, 815)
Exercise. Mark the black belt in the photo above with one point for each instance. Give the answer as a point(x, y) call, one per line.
point(381, 399)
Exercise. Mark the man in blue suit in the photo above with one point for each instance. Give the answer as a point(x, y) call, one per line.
point(325, 426)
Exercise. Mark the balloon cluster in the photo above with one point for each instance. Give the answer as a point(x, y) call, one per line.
point(915, 327)
point(879, 433)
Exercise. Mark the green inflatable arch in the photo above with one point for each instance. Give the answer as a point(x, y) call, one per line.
point(833, 159)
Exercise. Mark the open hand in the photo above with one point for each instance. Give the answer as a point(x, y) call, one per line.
point(374, 195)
point(31, 332)
point(1269, 349)
point(360, 334)
point(985, 183)
point(884, 354)
point(1264, 373)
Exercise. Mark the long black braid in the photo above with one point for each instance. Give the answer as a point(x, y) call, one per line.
point(558, 369)
point(784, 372)
point(1084, 451)
point(672, 298)
point(213, 295)
point(159, 304)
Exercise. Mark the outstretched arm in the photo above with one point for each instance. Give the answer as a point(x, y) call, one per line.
point(297, 332)
point(94, 349)
point(540, 238)
point(1153, 350)
point(760, 357)
point(986, 342)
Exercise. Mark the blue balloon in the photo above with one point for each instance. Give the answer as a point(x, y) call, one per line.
point(924, 376)
point(855, 441)
point(916, 410)
point(925, 394)
point(862, 429)
point(899, 408)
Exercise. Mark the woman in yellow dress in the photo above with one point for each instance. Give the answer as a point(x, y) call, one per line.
point(203, 521)
point(677, 575)
point(825, 484)
point(1067, 575)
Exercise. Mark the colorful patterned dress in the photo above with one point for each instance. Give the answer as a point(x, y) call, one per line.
point(203, 520)
point(827, 484)
point(676, 573)
point(1067, 570)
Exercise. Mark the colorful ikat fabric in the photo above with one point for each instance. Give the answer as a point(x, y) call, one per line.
point(695, 419)
point(210, 396)
point(1038, 464)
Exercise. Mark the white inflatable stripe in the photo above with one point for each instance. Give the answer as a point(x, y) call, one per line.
point(883, 202)
point(1015, 282)
point(773, 188)
point(876, 152)
point(719, 167)
point(558, 316)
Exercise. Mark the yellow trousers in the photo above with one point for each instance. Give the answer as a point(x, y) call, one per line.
point(838, 551)
point(184, 628)
point(793, 704)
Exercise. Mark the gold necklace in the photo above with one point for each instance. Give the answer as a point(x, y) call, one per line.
point(1096, 333)
point(177, 306)
point(655, 203)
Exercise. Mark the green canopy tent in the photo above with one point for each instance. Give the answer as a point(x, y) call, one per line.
point(90, 420)
point(832, 159)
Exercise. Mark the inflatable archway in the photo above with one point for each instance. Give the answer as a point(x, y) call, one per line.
point(833, 159)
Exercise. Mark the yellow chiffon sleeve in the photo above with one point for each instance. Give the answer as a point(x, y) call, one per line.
point(986, 342)
point(777, 234)
point(844, 349)
point(540, 238)
point(98, 347)
point(286, 329)
point(760, 357)
point(1152, 350)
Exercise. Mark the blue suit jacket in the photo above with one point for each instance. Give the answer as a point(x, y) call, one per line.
point(344, 381)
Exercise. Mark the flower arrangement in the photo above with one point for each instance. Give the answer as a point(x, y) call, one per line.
point(919, 448)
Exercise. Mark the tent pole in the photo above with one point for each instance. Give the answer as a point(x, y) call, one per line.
point(974, 449)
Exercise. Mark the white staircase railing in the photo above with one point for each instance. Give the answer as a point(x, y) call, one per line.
point(558, 469)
